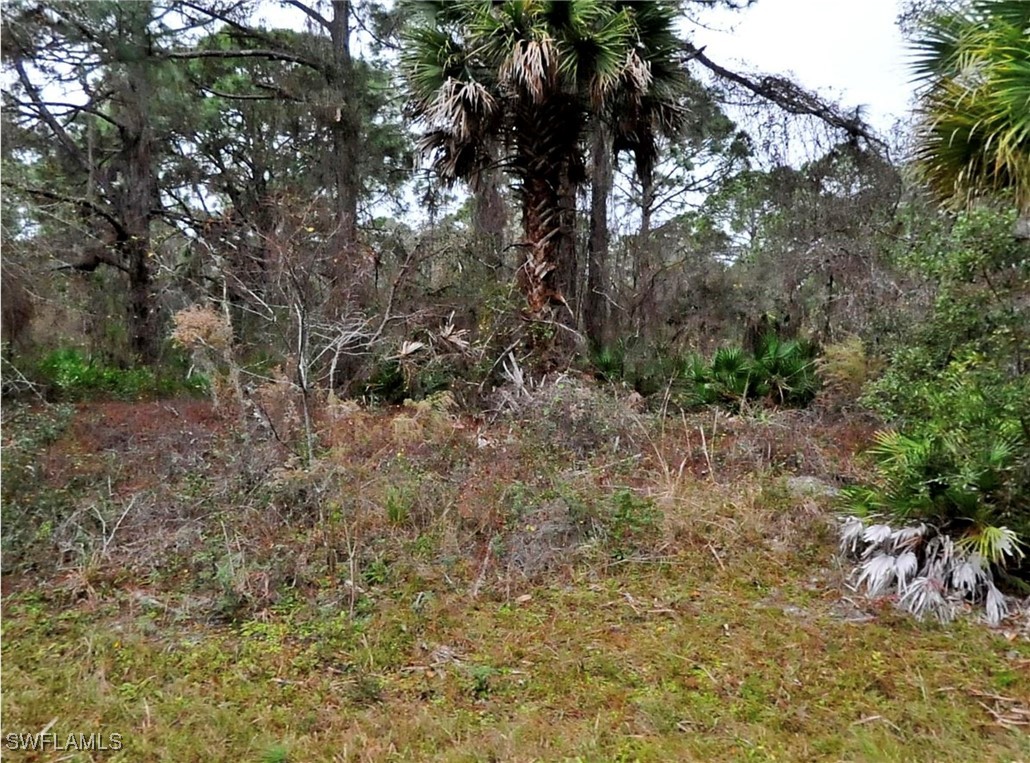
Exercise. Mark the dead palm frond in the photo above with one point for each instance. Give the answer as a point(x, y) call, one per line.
point(927, 572)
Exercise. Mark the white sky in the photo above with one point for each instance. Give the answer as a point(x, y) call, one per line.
point(850, 50)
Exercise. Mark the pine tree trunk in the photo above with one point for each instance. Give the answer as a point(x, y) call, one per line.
point(139, 188)
point(489, 216)
point(644, 272)
point(346, 136)
point(595, 310)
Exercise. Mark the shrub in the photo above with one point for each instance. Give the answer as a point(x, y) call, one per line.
point(785, 371)
point(415, 374)
point(957, 393)
point(962, 458)
point(609, 362)
point(69, 374)
point(781, 372)
point(927, 572)
point(845, 368)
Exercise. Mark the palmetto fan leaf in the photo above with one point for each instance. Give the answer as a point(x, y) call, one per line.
point(975, 134)
point(924, 569)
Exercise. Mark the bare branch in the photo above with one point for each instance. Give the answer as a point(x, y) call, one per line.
point(84, 204)
point(92, 262)
point(47, 116)
point(72, 109)
point(790, 97)
point(311, 13)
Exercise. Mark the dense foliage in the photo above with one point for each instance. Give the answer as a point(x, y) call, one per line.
point(957, 391)
point(173, 160)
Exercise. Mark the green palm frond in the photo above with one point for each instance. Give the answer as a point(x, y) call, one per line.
point(975, 133)
point(996, 544)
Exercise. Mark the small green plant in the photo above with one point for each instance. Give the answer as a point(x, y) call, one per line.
point(365, 690)
point(781, 372)
point(631, 522)
point(69, 374)
point(376, 572)
point(276, 754)
point(480, 676)
point(398, 505)
point(610, 362)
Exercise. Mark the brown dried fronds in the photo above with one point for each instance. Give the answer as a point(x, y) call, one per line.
point(202, 326)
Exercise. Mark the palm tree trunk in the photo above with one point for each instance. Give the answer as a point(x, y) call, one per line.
point(548, 195)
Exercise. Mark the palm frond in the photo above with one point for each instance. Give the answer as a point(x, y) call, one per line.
point(996, 544)
point(975, 133)
point(878, 573)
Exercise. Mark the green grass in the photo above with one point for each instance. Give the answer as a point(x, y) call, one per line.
point(705, 622)
point(653, 663)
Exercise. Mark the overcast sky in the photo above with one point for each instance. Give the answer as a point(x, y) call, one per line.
point(850, 50)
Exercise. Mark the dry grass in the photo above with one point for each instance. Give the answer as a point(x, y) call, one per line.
point(445, 589)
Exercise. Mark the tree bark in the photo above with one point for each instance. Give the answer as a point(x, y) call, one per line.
point(346, 134)
point(595, 308)
point(645, 267)
point(489, 216)
point(549, 178)
point(138, 190)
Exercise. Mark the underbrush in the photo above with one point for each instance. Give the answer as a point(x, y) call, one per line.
point(31, 509)
point(69, 374)
point(779, 372)
point(573, 579)
point(955, 462)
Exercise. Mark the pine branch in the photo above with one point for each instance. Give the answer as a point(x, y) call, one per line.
point(268, 54)
point(311, 13)
point(85, 204)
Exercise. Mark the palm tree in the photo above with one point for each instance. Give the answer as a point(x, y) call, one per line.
point(633, 121)
point(975, 132)
point(523, 81)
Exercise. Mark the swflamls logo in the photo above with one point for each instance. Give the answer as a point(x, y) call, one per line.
point(43, 741)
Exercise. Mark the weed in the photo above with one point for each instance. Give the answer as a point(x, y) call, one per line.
point(398, 505)
point(275, 754)
point(376, 572)
point(481, 676)
point(365, 690)
point(632, 521)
